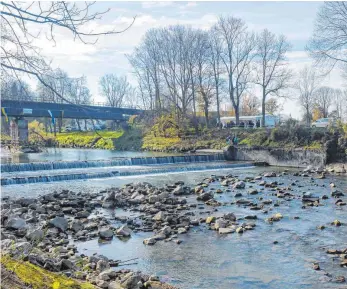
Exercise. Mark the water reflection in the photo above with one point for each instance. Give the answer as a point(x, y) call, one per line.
point(67, 154)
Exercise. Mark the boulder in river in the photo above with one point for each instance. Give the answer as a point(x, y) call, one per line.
point(270, 174)
point(106, 233)
point(16, 223)
point(239, 185)
point(160, 216)
point(60, 223)
point(210, 219)
point(149, 241)
point(124, 231)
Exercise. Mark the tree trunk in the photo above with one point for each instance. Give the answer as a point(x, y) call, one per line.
point(263, 112)
point(60, 124)
point(55, 128)
point(46, 125)
point(206, 114)
point(217, 96)
point(237, 114)
point(78, 124)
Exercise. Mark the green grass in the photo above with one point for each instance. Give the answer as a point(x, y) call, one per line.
point(5, 137)
point(100, 139)
point(159, 143)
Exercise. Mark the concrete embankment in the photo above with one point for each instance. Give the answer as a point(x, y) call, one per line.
point(298, 157)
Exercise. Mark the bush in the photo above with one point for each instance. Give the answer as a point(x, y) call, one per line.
point(279, 134)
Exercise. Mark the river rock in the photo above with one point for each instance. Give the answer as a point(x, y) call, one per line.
point(220, 223)
point(35, 235)
point(253, 192)
point(76, 226)
point(149, 241)
point(178, 191)
point(102, 265)
point(160, 216)
point(16, 223)
point(131, 280)
point(270, 175)
point(114, 285)
point(205, 197)
point(106, 233)
point(230, 217)
point(166, 230)
point(226, 230)
point(102, 284)
point(124, 231)
point(210, 219)
point(239, 185)
point(336, 223)
point(25, 202)
point(60, 223)
point(182, 230)
point(82, 214)
point(240, 230)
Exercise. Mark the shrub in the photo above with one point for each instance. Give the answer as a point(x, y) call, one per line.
point(279, 134)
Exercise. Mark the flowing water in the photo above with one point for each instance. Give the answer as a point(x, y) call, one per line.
point(206, 259)
point(70, 154)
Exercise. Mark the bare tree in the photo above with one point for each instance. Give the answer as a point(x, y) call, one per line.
point(18, 52)
point(79, 95)
point(216, 64)
point(250, 105)
point(272, 106)
point(328, 45)
point(272, 72)
point(115, 89)
point(203, 72)
point(339, 103)
point(59, 82)
point(175, 67)
point(146, 62)
point(306, 85)
point(13, 89)
point(323, 99)
point(237, 53)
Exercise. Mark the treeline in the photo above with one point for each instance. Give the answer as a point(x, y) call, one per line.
point(188, 72)
point(182, 69)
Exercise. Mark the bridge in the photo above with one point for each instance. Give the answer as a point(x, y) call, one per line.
point(20, 109)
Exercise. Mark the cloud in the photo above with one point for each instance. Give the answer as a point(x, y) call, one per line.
point(147, 5)
point(188, 5)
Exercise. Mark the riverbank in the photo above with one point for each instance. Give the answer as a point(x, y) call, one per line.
point(175, 221)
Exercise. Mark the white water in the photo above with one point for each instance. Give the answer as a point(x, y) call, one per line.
point(39, 166)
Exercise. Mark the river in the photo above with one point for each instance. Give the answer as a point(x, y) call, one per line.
point(206, 259)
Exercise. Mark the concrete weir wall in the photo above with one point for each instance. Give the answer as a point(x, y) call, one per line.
point(276, 156)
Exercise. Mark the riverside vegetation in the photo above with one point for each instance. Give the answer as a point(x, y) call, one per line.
point(164, 134)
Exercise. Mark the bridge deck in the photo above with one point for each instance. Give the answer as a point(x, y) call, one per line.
point(40, 109)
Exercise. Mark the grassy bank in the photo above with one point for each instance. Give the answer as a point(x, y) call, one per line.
point(28, 275)
point(100, 139)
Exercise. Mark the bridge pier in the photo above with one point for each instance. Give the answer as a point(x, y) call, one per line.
point(19, 130)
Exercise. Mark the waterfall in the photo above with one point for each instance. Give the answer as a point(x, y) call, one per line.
point(40, 166)
point(150, 170)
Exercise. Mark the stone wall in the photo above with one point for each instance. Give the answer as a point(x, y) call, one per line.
point(277, 156)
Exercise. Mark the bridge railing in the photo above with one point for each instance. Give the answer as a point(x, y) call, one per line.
point(90, 103)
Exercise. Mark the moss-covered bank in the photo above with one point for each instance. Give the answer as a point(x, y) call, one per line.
point(29, 275)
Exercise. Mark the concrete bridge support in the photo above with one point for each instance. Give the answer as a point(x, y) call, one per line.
point(19, 130)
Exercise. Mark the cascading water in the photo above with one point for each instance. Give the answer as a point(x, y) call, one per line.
point(109, 174)
point(40, 166)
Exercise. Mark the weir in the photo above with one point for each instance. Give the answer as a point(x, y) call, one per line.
point(84, 176)
point(40, 166)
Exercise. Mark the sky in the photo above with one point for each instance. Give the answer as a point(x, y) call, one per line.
point(293, 19)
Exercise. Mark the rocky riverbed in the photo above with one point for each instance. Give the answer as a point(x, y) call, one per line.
point(48, 231)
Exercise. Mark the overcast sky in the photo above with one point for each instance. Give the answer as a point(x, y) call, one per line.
point(293, 19)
